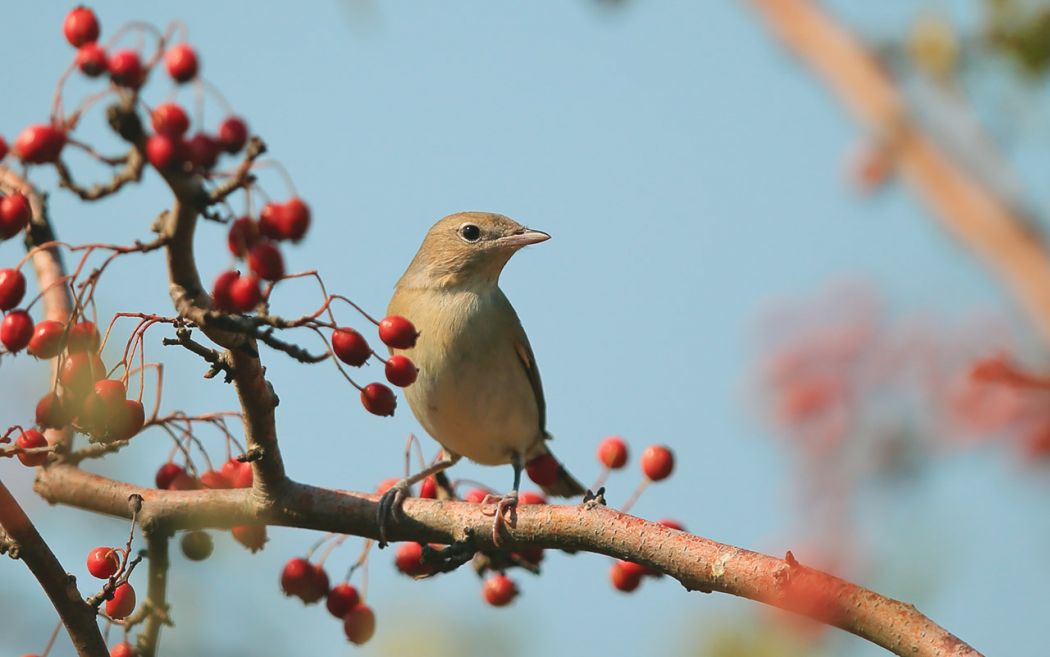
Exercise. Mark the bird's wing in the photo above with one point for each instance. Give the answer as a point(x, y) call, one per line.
point(528, 361)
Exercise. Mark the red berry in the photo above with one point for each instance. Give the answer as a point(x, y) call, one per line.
point(359, 624)
point(476, 495)
point(397, 332)
point(80, 371)
point(181, 62)
point(266, 262)
point(543, 470)
point(215, 480)
point(166, 474)
point(122, 649)
point(221, 297)
point(80, 26)
point(252, 537)
point(499, 590)
point(657, 462)
point(319, 586)
point(612, 452)
point(165, 152)
point(243, 235)
point(400, 371)
point(111, 395)
point(170, 119)
point(197, 545)
point(184, 482)
point(123, 602)
point(12, 288)
point(83, 336)
point(16, 330)
point(386, 485)
point(295, 576)
point(14, 214)
point(409, 559)
point(350, 346)
point(530, 497)
point(91, 60)
point(378, 399)
point(428, 489)
point(30, 439)
point(245, 294)
point(51, 412)
point(125, 69)
point(671, 524)
point(103, 562)
point(270, 220)
point(237, 473)
point(38, 144)
point(631, 568)
point(233, 134)
point(294, 219)
point(128, 421)
point(48, 339)
point(203, 151)
point(304, 580)
point(3, 148)
point(341, 599)
point(625, 579)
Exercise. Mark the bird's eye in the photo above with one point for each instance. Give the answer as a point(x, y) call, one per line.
point(470, 232)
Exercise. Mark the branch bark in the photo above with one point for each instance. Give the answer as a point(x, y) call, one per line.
point(966, 207)
point(60, 587)
point(698, 563)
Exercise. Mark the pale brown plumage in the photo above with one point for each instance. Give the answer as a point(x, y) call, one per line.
point(478, 392)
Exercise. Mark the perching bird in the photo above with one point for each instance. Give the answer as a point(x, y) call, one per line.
point(478, 392)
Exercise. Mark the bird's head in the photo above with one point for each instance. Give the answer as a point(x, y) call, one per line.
point(468, 248)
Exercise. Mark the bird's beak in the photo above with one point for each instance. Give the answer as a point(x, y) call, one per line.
point(526, 237)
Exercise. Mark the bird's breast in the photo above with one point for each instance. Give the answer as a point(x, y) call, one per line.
point(472, 394)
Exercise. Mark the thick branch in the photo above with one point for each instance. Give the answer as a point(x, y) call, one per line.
point(964, 205)
point(61, 587)
point(698, 563)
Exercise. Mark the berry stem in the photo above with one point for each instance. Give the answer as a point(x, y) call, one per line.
point(635, 495)
point(331, 547)
point(51, 639)
point(213, 91)
point(283, 172)
point(600, 481)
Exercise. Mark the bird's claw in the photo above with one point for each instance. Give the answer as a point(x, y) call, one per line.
point(508, 502)
point(389, 503)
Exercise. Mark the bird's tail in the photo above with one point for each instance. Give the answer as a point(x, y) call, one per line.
point(561, 483)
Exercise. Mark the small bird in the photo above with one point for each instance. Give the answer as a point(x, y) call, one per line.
point(478, 391)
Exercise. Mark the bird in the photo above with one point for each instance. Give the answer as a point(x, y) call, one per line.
point(478, 391)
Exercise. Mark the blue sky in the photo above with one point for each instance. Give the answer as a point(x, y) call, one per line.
point(690, 174)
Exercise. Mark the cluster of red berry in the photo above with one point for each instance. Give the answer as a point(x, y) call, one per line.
point(350, 347)
point(105, 563)
point(657, 463)
point(231, 474)
point(309, 582)
point(90, 402)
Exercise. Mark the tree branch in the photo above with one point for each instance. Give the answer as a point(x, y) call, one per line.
point(965, 206)
point(156, 604)
point(61, 587)
point(698, 563)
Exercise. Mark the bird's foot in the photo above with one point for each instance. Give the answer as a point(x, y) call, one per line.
point(508, 502)
point(389, 504)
